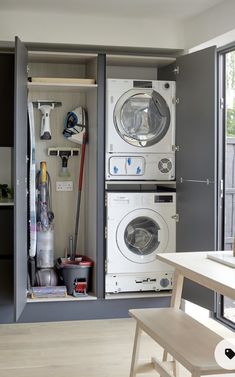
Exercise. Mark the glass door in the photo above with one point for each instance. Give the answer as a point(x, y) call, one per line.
point(226, 306)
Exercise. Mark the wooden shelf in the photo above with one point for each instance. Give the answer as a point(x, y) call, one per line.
point(35, 86)
point(89, 297)
point(6, 202)
point(139, 61)
point(60, 57)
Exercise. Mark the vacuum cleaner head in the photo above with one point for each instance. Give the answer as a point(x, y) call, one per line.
point(76, 125)
point(45, 107)
point(64, 154)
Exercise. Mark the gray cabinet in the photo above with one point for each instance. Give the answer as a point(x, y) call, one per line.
point(196, 182)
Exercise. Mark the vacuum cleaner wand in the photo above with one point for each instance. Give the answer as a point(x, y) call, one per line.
point(45, 107)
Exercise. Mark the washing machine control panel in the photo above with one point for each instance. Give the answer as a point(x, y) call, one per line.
point(139, 282)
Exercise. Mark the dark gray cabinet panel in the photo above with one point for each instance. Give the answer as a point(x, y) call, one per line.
point(196, 160)
point(7, 99)
point(100, 176)
point(6, 291)
point(20, 168)
point(195, 76)
point(196, 115)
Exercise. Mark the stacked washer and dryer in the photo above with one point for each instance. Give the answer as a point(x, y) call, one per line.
point(140, 146)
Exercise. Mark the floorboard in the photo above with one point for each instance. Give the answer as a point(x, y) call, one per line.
point(100, 348)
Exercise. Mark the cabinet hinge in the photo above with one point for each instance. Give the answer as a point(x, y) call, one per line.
point(175, 148)
point(176, 217)
point(27, 69)
point(176, 70)
point(105, 232)
point(177, 100)
point(106, 200)
point(106, 266)
point(221, 188)
point(221, 103)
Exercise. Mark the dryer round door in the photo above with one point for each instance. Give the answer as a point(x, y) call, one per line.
point(141, 117)
point(141, 234)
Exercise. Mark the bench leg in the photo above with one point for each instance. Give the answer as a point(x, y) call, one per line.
point(135, 353)
point(175, 365)
point(175, 368)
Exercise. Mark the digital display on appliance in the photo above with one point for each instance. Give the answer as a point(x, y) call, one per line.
point(142, 84)
point(163, 199)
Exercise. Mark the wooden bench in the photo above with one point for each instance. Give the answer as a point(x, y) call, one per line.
point(185, 339)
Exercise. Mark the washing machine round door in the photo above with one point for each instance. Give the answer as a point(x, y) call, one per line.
point(141, 117)
point(141, 234)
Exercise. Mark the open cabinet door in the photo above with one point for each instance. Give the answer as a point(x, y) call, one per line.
point(195, 76)
point(20, 177)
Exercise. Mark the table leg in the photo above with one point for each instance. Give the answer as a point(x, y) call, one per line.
point(175, 303)
point(177, 289)
point(135, 353)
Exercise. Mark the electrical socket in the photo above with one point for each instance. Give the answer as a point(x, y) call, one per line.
point(64, 185)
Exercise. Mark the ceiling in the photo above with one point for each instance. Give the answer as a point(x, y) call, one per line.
point(179, 10)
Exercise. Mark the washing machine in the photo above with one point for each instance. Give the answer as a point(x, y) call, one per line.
point(140, 130)
point(139, 226)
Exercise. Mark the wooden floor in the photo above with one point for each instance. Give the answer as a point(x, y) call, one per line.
point(99, 348)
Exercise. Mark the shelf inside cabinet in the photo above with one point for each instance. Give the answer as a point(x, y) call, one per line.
point(89, 297)
point(139, 61)
point(38, 86)
point(60, 57)
point(6, 202)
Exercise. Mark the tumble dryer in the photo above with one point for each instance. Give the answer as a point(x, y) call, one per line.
point(140, 130)
point(139, 225)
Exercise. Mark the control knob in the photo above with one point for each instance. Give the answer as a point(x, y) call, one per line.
point(164, 282)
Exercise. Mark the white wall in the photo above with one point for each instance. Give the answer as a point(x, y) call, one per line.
point(213, 27)
point(52, 27)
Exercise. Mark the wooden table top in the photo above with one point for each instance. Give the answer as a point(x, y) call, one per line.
point(198, 268)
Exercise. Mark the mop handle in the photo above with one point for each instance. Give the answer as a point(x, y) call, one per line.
point(82, 166)
point(72, 257)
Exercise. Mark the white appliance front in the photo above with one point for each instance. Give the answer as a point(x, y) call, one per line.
point(139, 225)
point(140, 123)
point(140, 167)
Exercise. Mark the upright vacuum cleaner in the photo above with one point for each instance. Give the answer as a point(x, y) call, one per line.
point(45, 216)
